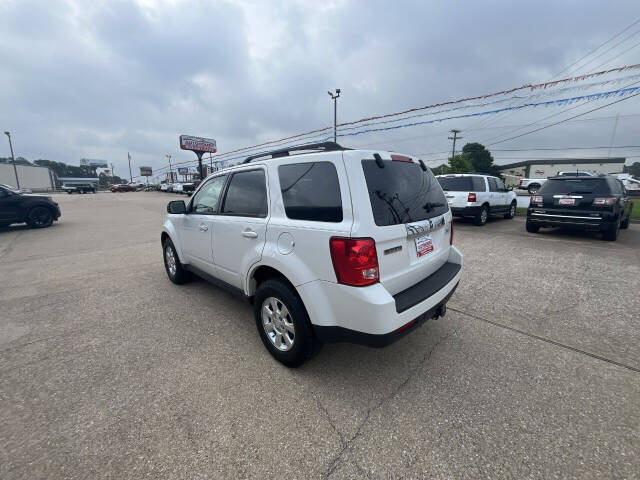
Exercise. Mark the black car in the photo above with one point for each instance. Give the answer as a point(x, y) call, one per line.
point(16, 207)
point(591, 203)
point(80, 188)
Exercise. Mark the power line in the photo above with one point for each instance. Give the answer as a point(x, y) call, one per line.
point(562, 121)
point(606, 51)
point(596, 49)
point(619, 55)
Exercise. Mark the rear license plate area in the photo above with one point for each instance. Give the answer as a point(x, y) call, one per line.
point(567, 201)
point(424, 245)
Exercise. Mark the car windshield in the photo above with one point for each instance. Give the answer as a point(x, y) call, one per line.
point(456, 184)
point(574, 185)
point(402, 192)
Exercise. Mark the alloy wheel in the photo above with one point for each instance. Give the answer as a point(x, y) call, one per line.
point(170, 258)
point(278, 324)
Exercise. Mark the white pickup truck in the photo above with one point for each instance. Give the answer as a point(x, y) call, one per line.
point(534, 184)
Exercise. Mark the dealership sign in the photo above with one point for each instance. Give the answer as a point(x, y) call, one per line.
point(198, 144)
point(183, 170)
point(145, 171)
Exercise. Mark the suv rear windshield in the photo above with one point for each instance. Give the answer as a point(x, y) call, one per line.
point(575, 185)
point(402, 193)
point(462, 184)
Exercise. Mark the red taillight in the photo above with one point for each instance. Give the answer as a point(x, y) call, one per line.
point(451, 234)
point(471, 198)
point(521, 181)
point(605, 201)
point(537, 199)
point(405, 326)
point(355, 260)
point(400, 158)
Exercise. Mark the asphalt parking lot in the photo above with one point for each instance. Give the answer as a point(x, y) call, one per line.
point(109, 370)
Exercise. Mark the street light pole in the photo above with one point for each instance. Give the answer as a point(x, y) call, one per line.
point(13, 160)
point(334, 97)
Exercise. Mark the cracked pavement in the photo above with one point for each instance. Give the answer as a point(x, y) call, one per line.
point(107, 370)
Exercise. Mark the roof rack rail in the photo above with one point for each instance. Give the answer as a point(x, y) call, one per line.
point(284, 152)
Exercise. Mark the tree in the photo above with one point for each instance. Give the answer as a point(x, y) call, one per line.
point(460, 164)
point(19, 161)
point(480, 158)
point(61, 169)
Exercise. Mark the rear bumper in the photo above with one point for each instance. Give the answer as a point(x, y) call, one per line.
point(371, 315)
point(342, 334)
point(462, 211)
point(577, 220)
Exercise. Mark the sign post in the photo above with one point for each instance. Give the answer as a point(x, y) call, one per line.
point(198, 145)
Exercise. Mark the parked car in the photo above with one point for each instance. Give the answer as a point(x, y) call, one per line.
point(164, 187)
point(478, 196)
point(330, 245)
point(79, 188)
point(16, 207)
point(176, 188)
point(190, 187)
point(124, 187)
point(583, 202)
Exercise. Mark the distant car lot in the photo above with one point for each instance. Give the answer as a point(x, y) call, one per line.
point(108, 367)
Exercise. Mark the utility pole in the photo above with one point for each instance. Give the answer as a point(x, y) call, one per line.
point(613, 134)
point(334, 97)
point(170, 172)
point(13, 160)
point(130, 175)
point(113, 175)
point(454, 138)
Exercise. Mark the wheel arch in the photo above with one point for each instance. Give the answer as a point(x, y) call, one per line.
point(261, 272)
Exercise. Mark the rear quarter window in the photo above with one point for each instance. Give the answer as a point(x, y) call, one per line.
point(311, 191)
point(402, 192)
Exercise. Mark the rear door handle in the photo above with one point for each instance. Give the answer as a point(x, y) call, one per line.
point(249, 234)
point(203, 227)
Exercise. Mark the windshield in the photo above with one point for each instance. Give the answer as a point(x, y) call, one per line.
point(576, 185)
point(402, 192)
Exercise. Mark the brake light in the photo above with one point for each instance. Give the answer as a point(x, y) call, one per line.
point(451, 234)
point(521, 181)
point(605, 201)
point(471, 198)
point(537, 199)
point(355, 261)
point(400, 158)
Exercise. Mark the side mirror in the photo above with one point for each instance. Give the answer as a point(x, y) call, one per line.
point(509, 188)
point(176, 207)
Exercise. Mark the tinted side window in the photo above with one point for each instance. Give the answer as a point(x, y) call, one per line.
point(500, 184)
point(493, 185)
point(206, 200)
point(311, 191)
point(479, 185)
point(246, 195)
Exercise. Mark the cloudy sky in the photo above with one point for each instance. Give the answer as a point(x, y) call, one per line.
point(98, 79)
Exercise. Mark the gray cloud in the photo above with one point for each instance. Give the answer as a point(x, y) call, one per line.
point(98, 79)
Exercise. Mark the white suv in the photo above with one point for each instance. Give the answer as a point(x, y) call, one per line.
point(332, 245)
point(478, 196)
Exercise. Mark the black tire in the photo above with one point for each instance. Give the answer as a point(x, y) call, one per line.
point(69, 192)
point(512, 211)
point(612, 234)
point(531, 228)
point(482, 216)
point(625, 224)
point(533, 188)
point(304, 344)
point(40, 217)
point(180, 275)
